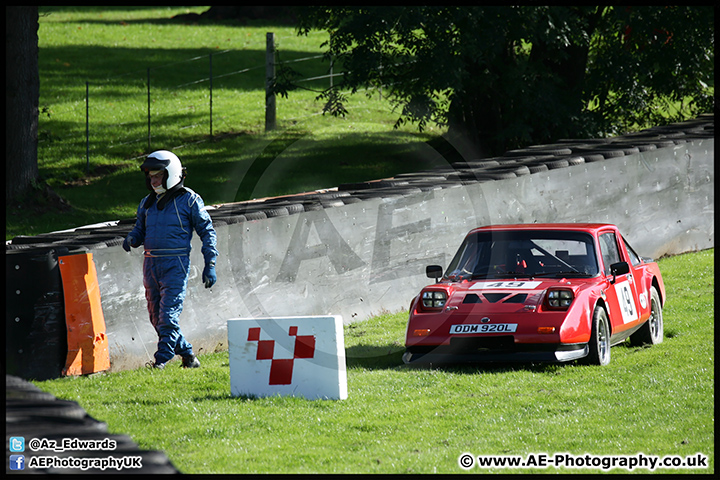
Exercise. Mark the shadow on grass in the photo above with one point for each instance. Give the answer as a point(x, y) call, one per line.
point(374, 357)
point(390, 357)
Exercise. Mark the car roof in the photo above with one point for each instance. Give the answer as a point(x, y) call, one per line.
point(584, 227)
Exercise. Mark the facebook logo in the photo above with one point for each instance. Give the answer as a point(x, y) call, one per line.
point(17, 462)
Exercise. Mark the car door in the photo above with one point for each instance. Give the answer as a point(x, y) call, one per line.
point(640, 282)
point(621, 291)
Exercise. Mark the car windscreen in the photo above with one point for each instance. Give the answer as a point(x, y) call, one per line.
point(524, 253)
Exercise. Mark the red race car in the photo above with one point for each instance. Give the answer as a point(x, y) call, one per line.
point(537, 292)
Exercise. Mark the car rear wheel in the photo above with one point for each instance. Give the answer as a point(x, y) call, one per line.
point(599, 339)
point(651, 332)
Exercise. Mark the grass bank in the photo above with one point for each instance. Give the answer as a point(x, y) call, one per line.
point(108, 55)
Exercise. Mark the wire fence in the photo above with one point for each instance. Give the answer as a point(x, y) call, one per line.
point(187, 101)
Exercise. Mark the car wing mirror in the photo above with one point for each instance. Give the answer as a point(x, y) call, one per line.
point(620, 268)
point(434, 271)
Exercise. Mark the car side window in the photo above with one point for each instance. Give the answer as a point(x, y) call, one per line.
point(634, 257)
point(609, 251)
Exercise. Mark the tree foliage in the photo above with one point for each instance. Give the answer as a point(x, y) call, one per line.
point(507, 76)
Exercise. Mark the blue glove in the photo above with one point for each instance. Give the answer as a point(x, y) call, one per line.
point(128, 242)
point(208, 277)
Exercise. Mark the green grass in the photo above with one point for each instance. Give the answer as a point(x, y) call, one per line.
point(112, 48)
point(396, 419)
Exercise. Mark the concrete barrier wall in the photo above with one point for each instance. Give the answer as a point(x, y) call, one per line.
point(362, 249)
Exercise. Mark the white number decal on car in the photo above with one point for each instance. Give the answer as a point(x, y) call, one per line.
point(626, 301)
point(521, 285)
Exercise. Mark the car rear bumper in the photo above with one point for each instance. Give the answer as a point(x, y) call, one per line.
point(550, 353)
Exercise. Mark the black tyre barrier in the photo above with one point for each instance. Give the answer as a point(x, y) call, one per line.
point(25, 408)
point(276, 212)
point(29, 415)
point(224, 213)
point(471, 177)
point(292, 207)
point(313, 205)
point(330, 202)
point(348, 200)
point(35, 331)
point(575, 142)
point(37, 247)
point(375, 184)
point(556, 163)
point(639, 145)
point(20, 394)
point(540, 150)
point(473, 164)
point(96, 241)
point(427, 186)
point(593, 157)
point(499, 174)
point(116, 231)
point(538, 167)
point(23, 390)
point(33, 426)
point(323, 195)
point(616, 150)
point(250, 216)
point(219, 221)
point(45, 238)
point(534, 159)
point(267, 208)
point(629, 150)
point(229, 219)
point(387, 192)
point(605, 152)
point(516, 168)
point(421, 176)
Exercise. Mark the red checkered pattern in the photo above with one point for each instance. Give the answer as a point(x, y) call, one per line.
point(281, 369)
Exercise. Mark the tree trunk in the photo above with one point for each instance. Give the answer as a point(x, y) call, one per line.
point(22, 90)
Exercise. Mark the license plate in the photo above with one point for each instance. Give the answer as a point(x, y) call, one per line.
point(484, 328)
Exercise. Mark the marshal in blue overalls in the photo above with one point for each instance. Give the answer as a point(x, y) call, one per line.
point(165, 221)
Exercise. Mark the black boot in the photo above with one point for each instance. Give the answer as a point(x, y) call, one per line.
point(155, 365)
point(190, 361)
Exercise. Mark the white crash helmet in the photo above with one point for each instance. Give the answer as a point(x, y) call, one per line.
point(167, 161)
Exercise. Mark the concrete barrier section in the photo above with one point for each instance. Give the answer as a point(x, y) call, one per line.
point(291, 356)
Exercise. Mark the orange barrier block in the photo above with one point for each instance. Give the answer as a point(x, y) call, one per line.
point(87, 341)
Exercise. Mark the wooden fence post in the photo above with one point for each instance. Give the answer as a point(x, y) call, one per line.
point(148, 108)
point(269, 78)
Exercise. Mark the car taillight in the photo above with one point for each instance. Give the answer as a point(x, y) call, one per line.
point(559, 299)
point(434, 299)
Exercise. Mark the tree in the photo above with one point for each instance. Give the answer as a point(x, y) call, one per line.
point(505, 77)
point(22, 87)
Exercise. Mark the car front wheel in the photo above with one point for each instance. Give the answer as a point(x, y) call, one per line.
point(599, 339)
